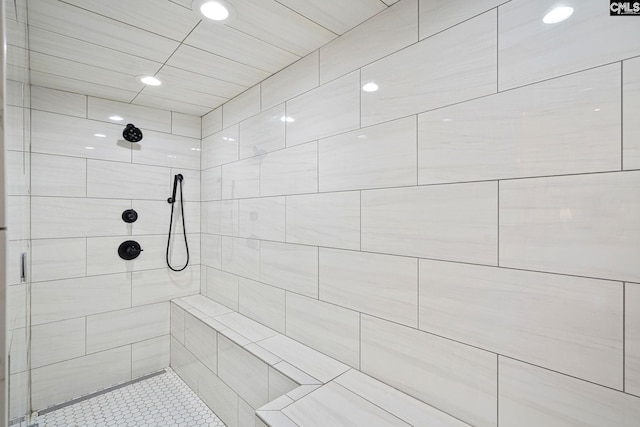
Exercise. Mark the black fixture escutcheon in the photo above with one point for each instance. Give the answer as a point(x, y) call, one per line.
point(129, 250)
point(132, 133)
point(129, 216)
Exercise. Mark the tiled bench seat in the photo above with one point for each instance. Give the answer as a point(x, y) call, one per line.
point(251, 375)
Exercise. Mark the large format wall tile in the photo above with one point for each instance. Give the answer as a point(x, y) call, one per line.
point(262, 218)
point(327, 110)
point(152, 286)
point(222, 287)
point(57, 341)
point(632, 338)
point(567, 324)
point(455, 222)
point(241, 257)
point(241, 179)
point(142, 117)
point(163, 149)
point(66, 380)
point(220, 217)
point(631, 110)
point(381, 285)
point(66, 299)
point(116, 328)
point(562, 126)
point(262, 303)
point(385, 33)
point(263, 133)
point(114, 180)
point(241, 107)
point(150, 356)
point(58, 176)
point(246, 374)
point(218, 396)
point(453, 66)
point(532, 396)
point(379, 156)
point(297, 78)
point(220, 148)
point(583, 225)
point(211, 184)
point(212, 122)
point(457, 379)
point(186, 125)
point(57, 101)
point(290, 171)
point(436, 16)
point(331, 219)
point(590, 37)
point(53, 259)
point(201, 340)
point(290, 267)
point(333, 330)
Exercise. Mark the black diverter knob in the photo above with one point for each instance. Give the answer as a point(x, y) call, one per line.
point(132, 133)
point(129, 216)
point(129, 250)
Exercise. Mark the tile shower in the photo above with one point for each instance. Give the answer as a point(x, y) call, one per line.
point(467, 234)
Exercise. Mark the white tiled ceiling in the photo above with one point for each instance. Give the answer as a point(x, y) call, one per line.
point(98, 47)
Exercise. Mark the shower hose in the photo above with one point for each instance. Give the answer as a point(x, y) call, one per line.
point(172, 201)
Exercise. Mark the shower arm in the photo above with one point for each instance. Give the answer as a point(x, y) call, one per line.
point(177, 178)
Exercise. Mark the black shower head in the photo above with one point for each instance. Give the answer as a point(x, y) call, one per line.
point(132, 133)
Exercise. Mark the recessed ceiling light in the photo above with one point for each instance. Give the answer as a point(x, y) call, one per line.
point(215, 10)
point(116, 118)
point(150, 81)
point(558, 14)
point(100, 135)
point(287, 119)
point(370, 87)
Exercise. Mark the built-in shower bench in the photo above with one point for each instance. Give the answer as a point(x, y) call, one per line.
point(251, 375)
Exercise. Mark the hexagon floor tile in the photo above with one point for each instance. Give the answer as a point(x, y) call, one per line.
point(163, 400)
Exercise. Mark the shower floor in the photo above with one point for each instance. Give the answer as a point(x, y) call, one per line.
point(163, 400)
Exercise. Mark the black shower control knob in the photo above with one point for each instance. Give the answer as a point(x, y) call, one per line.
point(132, 133)
point(129, 250)
point(129, 216)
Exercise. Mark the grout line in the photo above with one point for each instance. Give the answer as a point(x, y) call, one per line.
point(621, 115)
point(498, 228)
point(497, 49)
point(418, 292)
point(359, 341)
point(624, 336)
point(360, 229)
point(497, 390)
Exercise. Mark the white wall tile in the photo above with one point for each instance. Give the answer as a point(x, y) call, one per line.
point(327, 110)
point(578, 225)
point(69, 136)
point(176, 318)
point(218, 396)
point(58, 259)
point(381, 285)
point(222, 287)
point(290, 171)
point(56, 101)
point(290, 267)
point(241, 256)
point(220, 148)
point(117, 328)
point(295, 79)
point(262, 303)
point(333, 330)
point(126, 181)
point(141, 117)
point(154, 216)
point(57, 341)
point(246, 374)
point(331, 219)
point(249, 329)
point(211, 250)
point(562, 126)
point(532, 396)
point(263, 133)
point(55, 217)
point(70, 298)
point(66, 380)
point(336, 405)
point(163, 149)
point(437, 16)
point(202, 341)
point(185, 364)
point(241, 179)
point(385, 33)
point(190, 184)
point(186, 125)
point(590, 37)
point(211, 184)
point(567, 324)
point(456, 222)
point(279, 384)
point(379, 156)
point(262, 218)
point(150, 356)
point(241, 107)
point(15, 138)
point(152, 286)
point(18, 215)
point(409, 83)
point(457, 379)
point(632, 338)
point(58, 176)
point(212, 122)
point(220, 217)
point(631, 109)
point(17, 166)
point(246, 414)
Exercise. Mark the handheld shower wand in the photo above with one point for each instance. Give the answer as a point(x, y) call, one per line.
point(178, 178)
